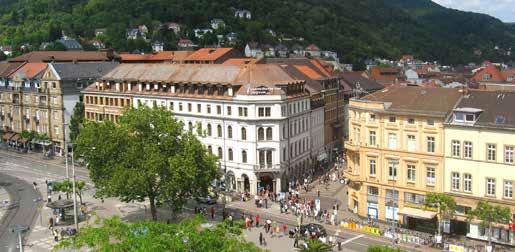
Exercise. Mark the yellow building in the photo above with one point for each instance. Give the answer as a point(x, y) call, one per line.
point(395, 152)
point(480, 159)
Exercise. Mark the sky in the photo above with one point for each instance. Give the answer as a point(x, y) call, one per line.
point(501, 9)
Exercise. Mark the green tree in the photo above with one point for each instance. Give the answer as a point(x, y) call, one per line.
point(66, 186)
point(445, 204)
point(190, 235)
point(489, 214)
point(148, 155)
point(316, 246)
point(383, 249)
point(76, 121)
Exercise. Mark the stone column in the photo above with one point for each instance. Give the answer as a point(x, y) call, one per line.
point(253, 187)
point(278, 187)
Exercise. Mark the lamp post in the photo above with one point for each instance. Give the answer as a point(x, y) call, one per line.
point(66, 151)
point(75, 218)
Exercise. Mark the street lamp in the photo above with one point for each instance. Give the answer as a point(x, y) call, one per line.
point(66, 151)
point(74, 193)
point(19, 230)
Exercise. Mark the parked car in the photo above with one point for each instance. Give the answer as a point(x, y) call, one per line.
point(318, 229)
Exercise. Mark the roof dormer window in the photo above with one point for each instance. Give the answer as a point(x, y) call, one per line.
point(487, 77)
point(470, 117)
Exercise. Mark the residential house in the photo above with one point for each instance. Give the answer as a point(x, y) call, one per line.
point(231, 37)
point(100, 31)
point(281, 51)
point(199, 33)
point(252, 49)
point(158, 46)
point(407, 59)
point(98, 44)
point(70, 44)
point(480, 160)
point(330, 55)
point(313, 50)
point(385, 75)
point(212, 56)
point(217, 24)
point(173, 26)
point(140, 32)
point(491, 77)
point(7, 50)
point(395, 153)
point(268, 51)
point(243, 14)
point(186, 44)
point(412, 76)
point(243, 114)
point(298, 51)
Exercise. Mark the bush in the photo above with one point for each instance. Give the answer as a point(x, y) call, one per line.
point(383, 249)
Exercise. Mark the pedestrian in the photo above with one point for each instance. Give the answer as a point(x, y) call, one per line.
point(296, 241)
point(260, 239)
point(59, 197)
point(266, 203)
point(51, 223)
point(257, 220)
point(212, 213)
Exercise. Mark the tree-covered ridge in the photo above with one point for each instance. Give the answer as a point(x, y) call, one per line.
point(355, 29)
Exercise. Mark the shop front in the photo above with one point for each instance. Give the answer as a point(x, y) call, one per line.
point(502, 234)
point(419, 219)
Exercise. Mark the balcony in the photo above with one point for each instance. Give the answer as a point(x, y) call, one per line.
point(267, 168)
point(352, 146)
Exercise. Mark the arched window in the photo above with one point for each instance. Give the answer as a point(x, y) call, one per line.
point(209, 149)
point(220, 152)
point(199, 129)
point(229, 153)
point(209, 129)
point(229, 132)
point(190, 126)
point(219, 130)
point(243, 156)
point(261, 134)
point(269, 133)
point(243, 134)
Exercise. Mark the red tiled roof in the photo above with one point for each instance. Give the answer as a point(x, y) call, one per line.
point(60, 56)
point(320, 65)
point(312, 47)
point(310, 73)
point(208, 54)
point(30, 70)
point(156, 57)
point(386, 74)
point(240, 61)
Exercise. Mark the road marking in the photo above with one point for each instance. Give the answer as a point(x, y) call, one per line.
point(353, 238)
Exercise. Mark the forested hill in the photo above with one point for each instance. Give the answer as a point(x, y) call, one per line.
point(356, 29)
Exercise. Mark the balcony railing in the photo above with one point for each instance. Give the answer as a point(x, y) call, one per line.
point(267, 167)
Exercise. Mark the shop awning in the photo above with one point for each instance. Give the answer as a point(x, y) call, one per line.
point(15, 137)
point(7, 136)
point(417, 213)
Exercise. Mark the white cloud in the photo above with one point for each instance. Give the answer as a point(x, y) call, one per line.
point(502, 9)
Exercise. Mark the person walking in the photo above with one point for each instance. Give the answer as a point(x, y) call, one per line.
point(51, 223)
point(260, 239)
point(257, 220)
point(212, 213)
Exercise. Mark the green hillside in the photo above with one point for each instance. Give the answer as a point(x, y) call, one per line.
point(355, 29)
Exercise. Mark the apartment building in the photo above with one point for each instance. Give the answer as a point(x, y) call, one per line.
point(255, 118)
point(395, 153)
point(40, 97)
point(480, 159)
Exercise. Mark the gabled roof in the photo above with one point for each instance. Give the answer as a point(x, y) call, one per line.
point(356, 80)
point(313, 47)
point(83, 70)
point(208, 54)
point(492, 70)
point(71, 44)
point(417, 100)
point(60, 56)
point(156, 57)
point(30, 70)
point(497, 108)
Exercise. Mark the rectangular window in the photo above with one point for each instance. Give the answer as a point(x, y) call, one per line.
point(412, 173)
point(508, 154)
point(455, 181)
point(392, 169)
point(372, 166)
point(467, 182)
point(372, 118)
point(430, 122)
point(180, 106)
point(373, 193)
point(430, 144)
point(392, 141)
point(240, 111)
point(245, 112)
point(430, 176)
point(412, 143)
point(261, 112)
point(199, 108)
point(508, 189)
point(268, 112)
point(357, 135)
point(189, 107)
point(392, 119)
point(467, 149)
point(456, 146)
point(218, 109)
point(208, 109)
point(56, 130)
point(411, 121)
point(372, 137)
point(491, 152)
point(229, 110)
point(490, 187)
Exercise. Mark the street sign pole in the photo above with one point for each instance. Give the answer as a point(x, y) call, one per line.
point(74, 194)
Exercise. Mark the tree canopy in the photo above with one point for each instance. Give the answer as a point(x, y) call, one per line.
point(356, 31)
point(489, 214)
point(146, 155)
point(190, 235)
